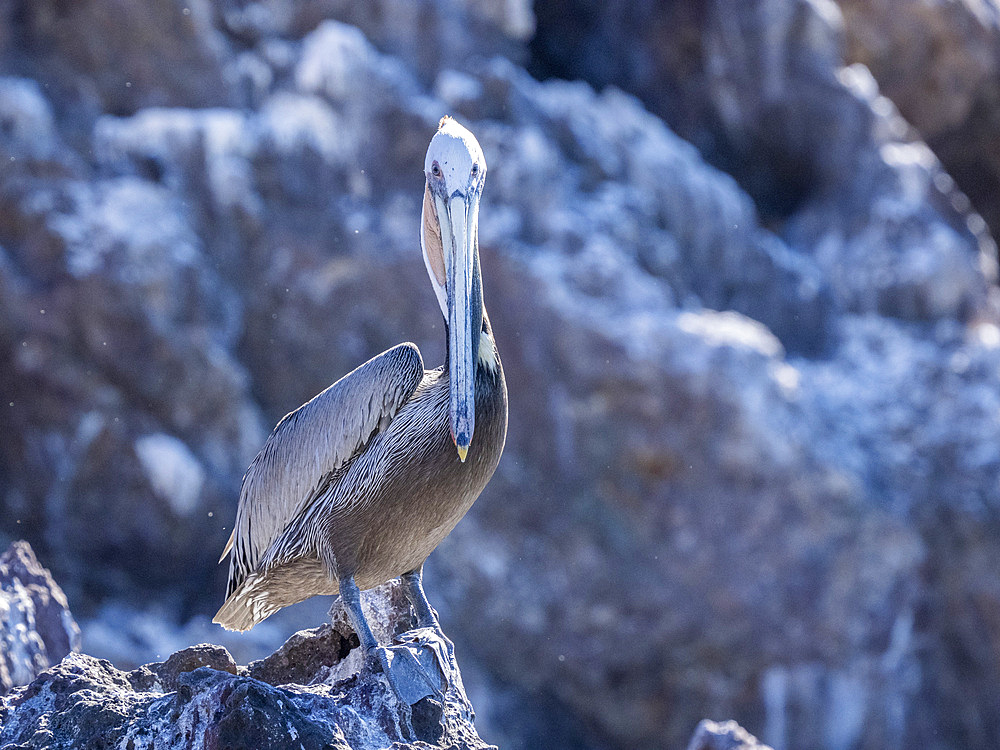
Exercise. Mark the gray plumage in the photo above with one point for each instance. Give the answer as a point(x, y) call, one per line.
point(364, 481)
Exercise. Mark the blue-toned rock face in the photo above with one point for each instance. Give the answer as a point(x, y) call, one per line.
point(36, 627)
point(749, 325)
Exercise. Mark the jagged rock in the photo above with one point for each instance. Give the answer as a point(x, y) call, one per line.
point(165, 676)
point(729, 735)
point(939, 62)
point(760, 88)
point(314, 692)
point(36, 627)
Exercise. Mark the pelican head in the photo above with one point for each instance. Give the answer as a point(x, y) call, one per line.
point(456, 171)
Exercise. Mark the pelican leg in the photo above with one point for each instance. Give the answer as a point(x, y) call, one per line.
point(411, 673)
point(351, 596)
point(414, 583)
point(432, 647)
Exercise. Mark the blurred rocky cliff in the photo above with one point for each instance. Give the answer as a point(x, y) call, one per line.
point(749, 322)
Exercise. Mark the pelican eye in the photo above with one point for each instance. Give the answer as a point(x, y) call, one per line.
point(436, 169)
point(475, 169)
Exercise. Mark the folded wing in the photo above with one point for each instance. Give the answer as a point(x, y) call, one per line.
point(309, 444)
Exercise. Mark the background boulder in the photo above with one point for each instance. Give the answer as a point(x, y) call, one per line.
point(36, 627)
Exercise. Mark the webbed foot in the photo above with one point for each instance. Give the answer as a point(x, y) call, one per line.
point(414, 669)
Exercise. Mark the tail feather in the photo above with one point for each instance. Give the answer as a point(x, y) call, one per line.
point(247, 606)
point(229, 546)
point(262, 593)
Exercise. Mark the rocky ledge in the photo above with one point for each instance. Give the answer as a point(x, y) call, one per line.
point(313, 692)
point(298, 698)
point(199, 698)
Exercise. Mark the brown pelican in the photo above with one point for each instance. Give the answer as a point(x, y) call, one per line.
point(360, 484)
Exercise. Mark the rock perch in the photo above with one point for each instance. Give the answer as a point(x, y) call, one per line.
point(312, 693)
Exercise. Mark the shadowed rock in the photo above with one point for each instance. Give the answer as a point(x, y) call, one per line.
point(761, 89)
point(939, 62)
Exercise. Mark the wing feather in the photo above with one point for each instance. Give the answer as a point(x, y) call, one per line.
point(311, 442)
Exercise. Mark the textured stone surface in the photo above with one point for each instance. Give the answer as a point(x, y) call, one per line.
point(36, 627)
point(729, 735)
point(737, 550)
point(939, 62)
point(750, 338)
point(117, 57)
point(759, 87)
point(303, 696)
point(121, 389)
